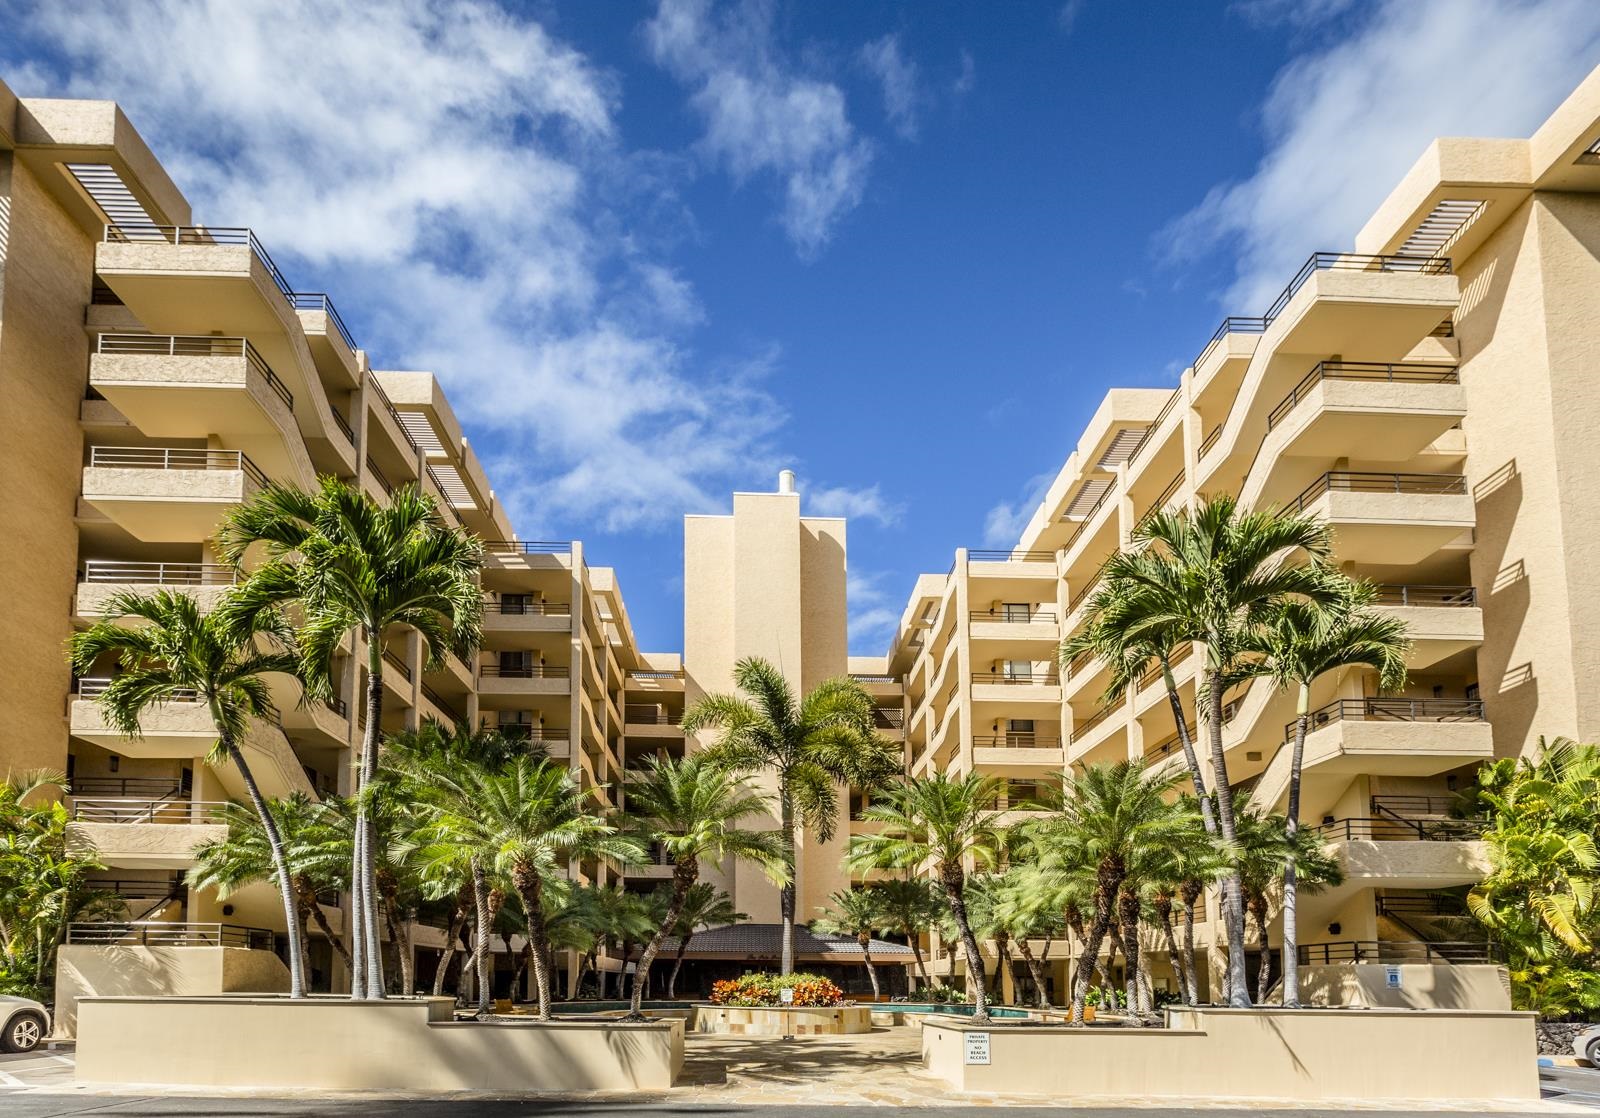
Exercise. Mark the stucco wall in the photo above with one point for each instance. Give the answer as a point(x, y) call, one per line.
point(89, 971)
point(1421, 986)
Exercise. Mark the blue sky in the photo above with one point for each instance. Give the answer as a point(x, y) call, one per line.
point(658, 251)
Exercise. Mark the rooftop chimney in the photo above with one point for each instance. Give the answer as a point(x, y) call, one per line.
point(786, 481)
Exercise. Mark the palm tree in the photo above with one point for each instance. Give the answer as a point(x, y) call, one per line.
point(940, 823)
point(692, 809)
point(1115, 821)
point(316, 842)
point(172, 651)
point(355, 567)
point(1297, 643)
point(813, 747)
point(1020, 915)
point(1209, 575)
point(1180, 878)
point(705, 906)
point(1267, 846)
point(854, 912)
point(527, 822)
point(909, 906)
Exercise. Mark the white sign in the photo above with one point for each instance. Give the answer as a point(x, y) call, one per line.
point(786, 996)
point(1391, 977)
point(977, 1048)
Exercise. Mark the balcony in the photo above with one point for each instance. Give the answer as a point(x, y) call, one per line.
point(1014, 564)
point(332, 346)
point(168, 933)
point(1393, 519)
point(1364, 306)
point(555, 741)
point(523, 614)
point(1017, 750)
point(651, 720)
point(528, 555)
point(103, 578)
point(189, 278)
point(1016, 687)
point(1018, 624)
point(524, 679)
point(1440, 620)
point(1398, 951)
point(143, 833)
point(167, 494)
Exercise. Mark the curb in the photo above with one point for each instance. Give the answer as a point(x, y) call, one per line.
point(1563, 1062)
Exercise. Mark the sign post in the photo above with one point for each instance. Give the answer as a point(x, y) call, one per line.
point(977, 1048)
point(786, 999)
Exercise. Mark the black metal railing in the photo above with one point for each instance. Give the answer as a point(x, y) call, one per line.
point(1015, 615)
point(1016, 555)
point(1427, 596)
point(200, 345)
point(127, 787)
point(398, 664)
point(1018, 740)
point(1077, 664)
point(1155, 425)
point(388, 406)
point(517, 607)
point(159, 573)
point(173, 458)
point(1088, 517)
point(1018, 678)
point(1162, 498)
point(168, 933)
point(379, 477)
point(1429, 904)
point(1084, 591)
point(1413, 806)
point(1211, 440)
point(146, 233)
point(337, 705)
point(1177, 656)
point(438, 701)
point(646, 714)
point(528, 547)
point(1354, 481)
point(343, 424)
point(1170, 746)
point(92, 687)
point(93, 809)
point(1082, 729)
point(1393, 710)
point(525, 671)
point(1397, 951)
point(1388, 828)
point(525, 731)
point(1415, 373)
point(317, 301)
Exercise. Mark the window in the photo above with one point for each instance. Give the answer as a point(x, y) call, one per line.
point(1017, 611)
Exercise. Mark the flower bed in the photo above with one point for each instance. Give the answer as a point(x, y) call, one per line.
point(764, 990)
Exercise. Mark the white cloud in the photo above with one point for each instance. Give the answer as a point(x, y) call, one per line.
point(762, 116)
point(902, 94)
point(856, 504)
point(873, 615)
point(968, 76)
point(452, 174)
point(1003, 525)
point(1344, 122)
point(1067, 15)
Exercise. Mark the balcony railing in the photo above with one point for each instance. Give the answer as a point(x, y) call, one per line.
point(646, 715)
point(1015, 615)
point(1393, 829)
point(1162, 498)
point(1084, 591)
point(1398, 951)
point(1155, 425)
point(528, 547)
point(1015, 741)
point(1428, 905)
point(388, 406)
point(1211, 440)
point(317, 301)
point(171, 811)
point(397, 663)
point(159, 574)
point(196, 345)
point(173, 458)
point(92, 687)
point(1393, 710)
point(1171, 746)
point(1177, 656)
point(166, 933)
point(1413, 807)
point(1077, 664)
point(528, 606)
point(443, 707)
point(1460, 596)
point(1361, 370)
point(146, 233)
point(378, 476)
point(1351, 481)
point(127, 787)
point(1018, 678)
point(1013, 556)
point(524, 671)
point(1088, 517)
point(344, 425)
point(538, 735)
point(1082, 729)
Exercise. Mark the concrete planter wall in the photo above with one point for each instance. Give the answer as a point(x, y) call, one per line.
point(406, 1044)
point(1261, 1053)
point(800, 1021)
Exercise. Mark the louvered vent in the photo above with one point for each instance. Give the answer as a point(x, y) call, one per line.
point(1084, 502)
point(1438, 231)
point(107, 190)
point(422, 433)
point(1123, 445)
point(1591, 154)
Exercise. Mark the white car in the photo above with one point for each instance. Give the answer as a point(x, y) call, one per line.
point(1587, 1045)
point(27, 1023)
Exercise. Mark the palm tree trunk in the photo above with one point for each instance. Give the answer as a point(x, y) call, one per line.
point(1035, 971)
point(1163, 906)
point(529, 888)
point(1189, 892)
point(1128, 917)
point(363, 869)
point(523, 959)
point(787, 894)
point(480, 935)
point(308, 897)
point(677, 965)
point(1105, 901)
point(1002, 964)
point(1232, 888)
point(1258, 909)
point(685, 872)
point(458, 920)
point(1207, 816)
point(954, 882)
point(280, 867)
point(865, 940)
point(1291, 932)
point(916, 950)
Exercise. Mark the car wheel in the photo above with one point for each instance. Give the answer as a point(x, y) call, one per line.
point(23, 1032)
point(1592, 1053)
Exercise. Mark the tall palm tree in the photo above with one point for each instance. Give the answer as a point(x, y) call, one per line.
point(1117, 821)
point(1209, 575)
point(316, 842)
point(1298, 642)
point(908, 906)
point(939, 823)
point(854, 912)
point(706, 906)
point(694, 810)
point(814, 747)
point(527, 822)
point(1267, 846)
point(167, 649)
point(353, 566)
point(1179, 878)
